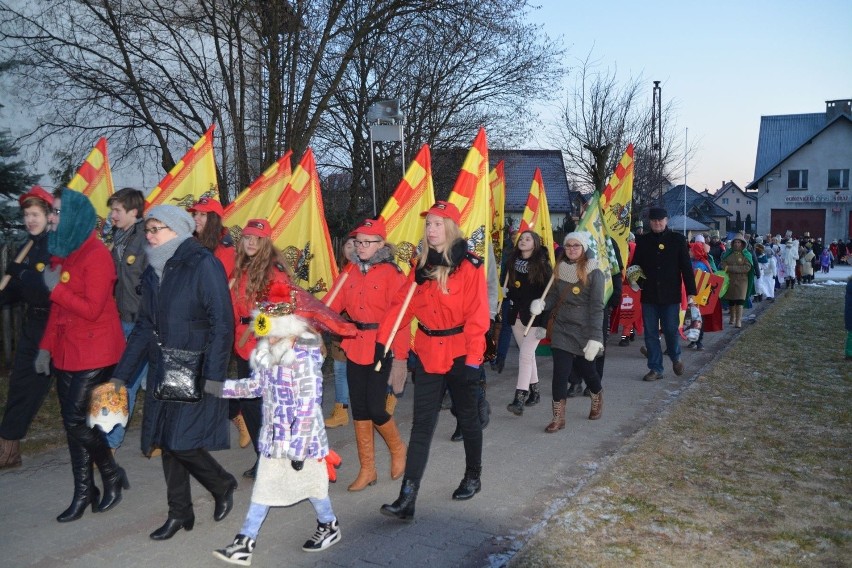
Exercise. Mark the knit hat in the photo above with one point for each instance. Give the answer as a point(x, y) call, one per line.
point(76, 224)
point(699, 238)
point(175, 218)
point(581, 237)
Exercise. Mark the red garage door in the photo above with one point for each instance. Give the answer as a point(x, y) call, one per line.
point(799, 221)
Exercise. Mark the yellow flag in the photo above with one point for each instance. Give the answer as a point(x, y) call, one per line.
point(497, 181)
point(401, 214)
point(260, 199)
point(301, 232)
point(593, 223)
point(617, 203)
point(472, 195)
point(193, 177)
point(94, 180)
point(536, 216)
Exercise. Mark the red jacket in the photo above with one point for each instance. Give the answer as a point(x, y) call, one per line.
point(465, 304)
point(83, 328)
point(243, 308)
point(227, 255)
point(366, 298)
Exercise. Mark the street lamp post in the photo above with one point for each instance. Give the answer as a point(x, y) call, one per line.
point(386, 121)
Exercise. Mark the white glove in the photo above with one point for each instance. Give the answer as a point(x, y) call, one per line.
point(592, 349)
point(536, 307)
point(505, 291)
point(42, 362)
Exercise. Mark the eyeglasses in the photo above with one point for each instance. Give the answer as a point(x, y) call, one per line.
point(154, 230)
point(55, 211)
point(364, 244)
point(573, 246)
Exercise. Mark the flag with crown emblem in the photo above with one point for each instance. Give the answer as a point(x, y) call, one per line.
point(599, 246)
point(472, 195)
point(301, 233)
point(260, 199)
point(192, 178)
point(497, 181)
point(616, 203)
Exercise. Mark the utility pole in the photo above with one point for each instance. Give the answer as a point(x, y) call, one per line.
point(657, 144)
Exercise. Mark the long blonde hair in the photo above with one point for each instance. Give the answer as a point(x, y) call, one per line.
point(440, 273)
point(258, 268)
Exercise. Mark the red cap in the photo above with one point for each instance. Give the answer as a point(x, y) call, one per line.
point(257, 228)
point(207, 205)
point(444, 209)
point(38, 192)
point(371, 227)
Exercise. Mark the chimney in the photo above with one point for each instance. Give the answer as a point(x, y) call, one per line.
point(833, 109)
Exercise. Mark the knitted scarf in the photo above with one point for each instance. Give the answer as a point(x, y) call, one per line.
point(77, 222)
point(159, 256)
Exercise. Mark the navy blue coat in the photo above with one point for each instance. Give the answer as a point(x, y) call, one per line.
point(664, 258)
point(191, 308)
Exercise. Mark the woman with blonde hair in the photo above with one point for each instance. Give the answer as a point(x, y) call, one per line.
point(449, 298)
point(257, 266)
point(577, 337)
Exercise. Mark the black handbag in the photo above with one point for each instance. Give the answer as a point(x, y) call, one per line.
point(179, 377)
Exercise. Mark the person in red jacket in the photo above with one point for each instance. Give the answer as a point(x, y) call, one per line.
point(207, 214)
point(450, 301)
point(366, 287)
point(258, 265)
point(83, 340)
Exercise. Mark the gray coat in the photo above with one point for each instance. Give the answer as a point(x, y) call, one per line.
point(130, 262)
point(578, 319)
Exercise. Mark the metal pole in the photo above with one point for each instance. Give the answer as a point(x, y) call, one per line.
point(685, 151)
point(373, 172)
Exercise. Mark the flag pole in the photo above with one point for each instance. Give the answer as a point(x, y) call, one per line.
point(398, 321)
point(330, 298)
point(543, 296)
point(18, 260)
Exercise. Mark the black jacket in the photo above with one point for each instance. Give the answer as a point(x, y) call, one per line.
point(192, 310)
point(664, 258)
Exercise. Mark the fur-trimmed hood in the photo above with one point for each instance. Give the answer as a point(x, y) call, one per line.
point(383, 255)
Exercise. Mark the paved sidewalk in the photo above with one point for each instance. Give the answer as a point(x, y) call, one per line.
point(526, 475)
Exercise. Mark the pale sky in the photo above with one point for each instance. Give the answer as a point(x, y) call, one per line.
point(723, 63)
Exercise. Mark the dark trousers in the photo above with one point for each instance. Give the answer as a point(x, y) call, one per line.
point(575, 378)
point(367, 392)
point(178, 465)
point(563, 364)
point(250, 408)
point(27, 389)
point(428, 393)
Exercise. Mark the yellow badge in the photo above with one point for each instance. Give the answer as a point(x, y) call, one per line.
point(66, 276)
point(40, 267)
point(517, 284)
point(131, 259)
point(576, 290)
point(662, 246)
point(261, 325)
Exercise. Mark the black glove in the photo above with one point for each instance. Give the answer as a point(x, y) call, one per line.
point(472, 374)
point(214, 388)
point(381, 356)
point(297, 465)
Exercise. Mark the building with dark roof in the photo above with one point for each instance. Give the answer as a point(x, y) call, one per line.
point(801, 172)
point(742, 205)
point(699, 207)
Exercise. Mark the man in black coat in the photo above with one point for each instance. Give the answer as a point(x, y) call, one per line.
point(663, 256)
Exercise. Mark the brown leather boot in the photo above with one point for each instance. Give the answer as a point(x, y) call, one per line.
point(10, 453)
point(558, 422)
point(396, 446)
point(366, 455)
point(339, 416)
point(240, 423)
point(738, 322)
point(597, 405)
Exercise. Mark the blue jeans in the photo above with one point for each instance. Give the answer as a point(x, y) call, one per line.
point(655, 317)
point(116, 436)
point(341, 385)
point(257, 514)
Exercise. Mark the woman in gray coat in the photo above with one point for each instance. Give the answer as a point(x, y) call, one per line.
point(185, 305)
point(576, 300)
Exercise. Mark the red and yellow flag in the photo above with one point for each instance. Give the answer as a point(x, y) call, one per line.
point(301, 232)
point(260, 199)
point(94, 180)
point(401, 214)
point(617, 203)
point(192, 177)
point(497, 181)
point(536, 216)
point(472, 195)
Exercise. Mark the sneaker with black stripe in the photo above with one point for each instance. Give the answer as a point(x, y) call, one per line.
point(327, 534)
point(239, 552)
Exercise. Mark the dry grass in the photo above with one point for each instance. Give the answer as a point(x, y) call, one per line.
point(751, 467)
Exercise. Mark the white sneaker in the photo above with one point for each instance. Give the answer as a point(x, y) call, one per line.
point(326, 535)
point(238, 553)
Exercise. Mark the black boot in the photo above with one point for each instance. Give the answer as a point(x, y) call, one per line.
point(470, 484)
point(113, 477)
point(575, 389)
point(534, 397)
point(516, 407)
point(251, 473)
point(403, 507)
point(85, 491)
point(457, 434)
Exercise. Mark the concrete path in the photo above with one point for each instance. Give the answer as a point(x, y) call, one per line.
point(526, 475)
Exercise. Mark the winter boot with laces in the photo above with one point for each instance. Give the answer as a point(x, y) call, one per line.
point(516, 407)
point(534, 397)
point(327, 534)
point(237, 553)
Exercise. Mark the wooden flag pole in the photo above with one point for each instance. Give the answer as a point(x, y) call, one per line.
point(543, 296)
point(25, 250)
point(330, 297)
point(398, 321)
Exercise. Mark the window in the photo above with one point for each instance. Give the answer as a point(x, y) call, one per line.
point(724, 201)
point(738, 199)
point(838, 179)
point(748, 201)
point(797, 179)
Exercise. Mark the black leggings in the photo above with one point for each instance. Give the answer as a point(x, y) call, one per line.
point(367, 392)
point(563, 363)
